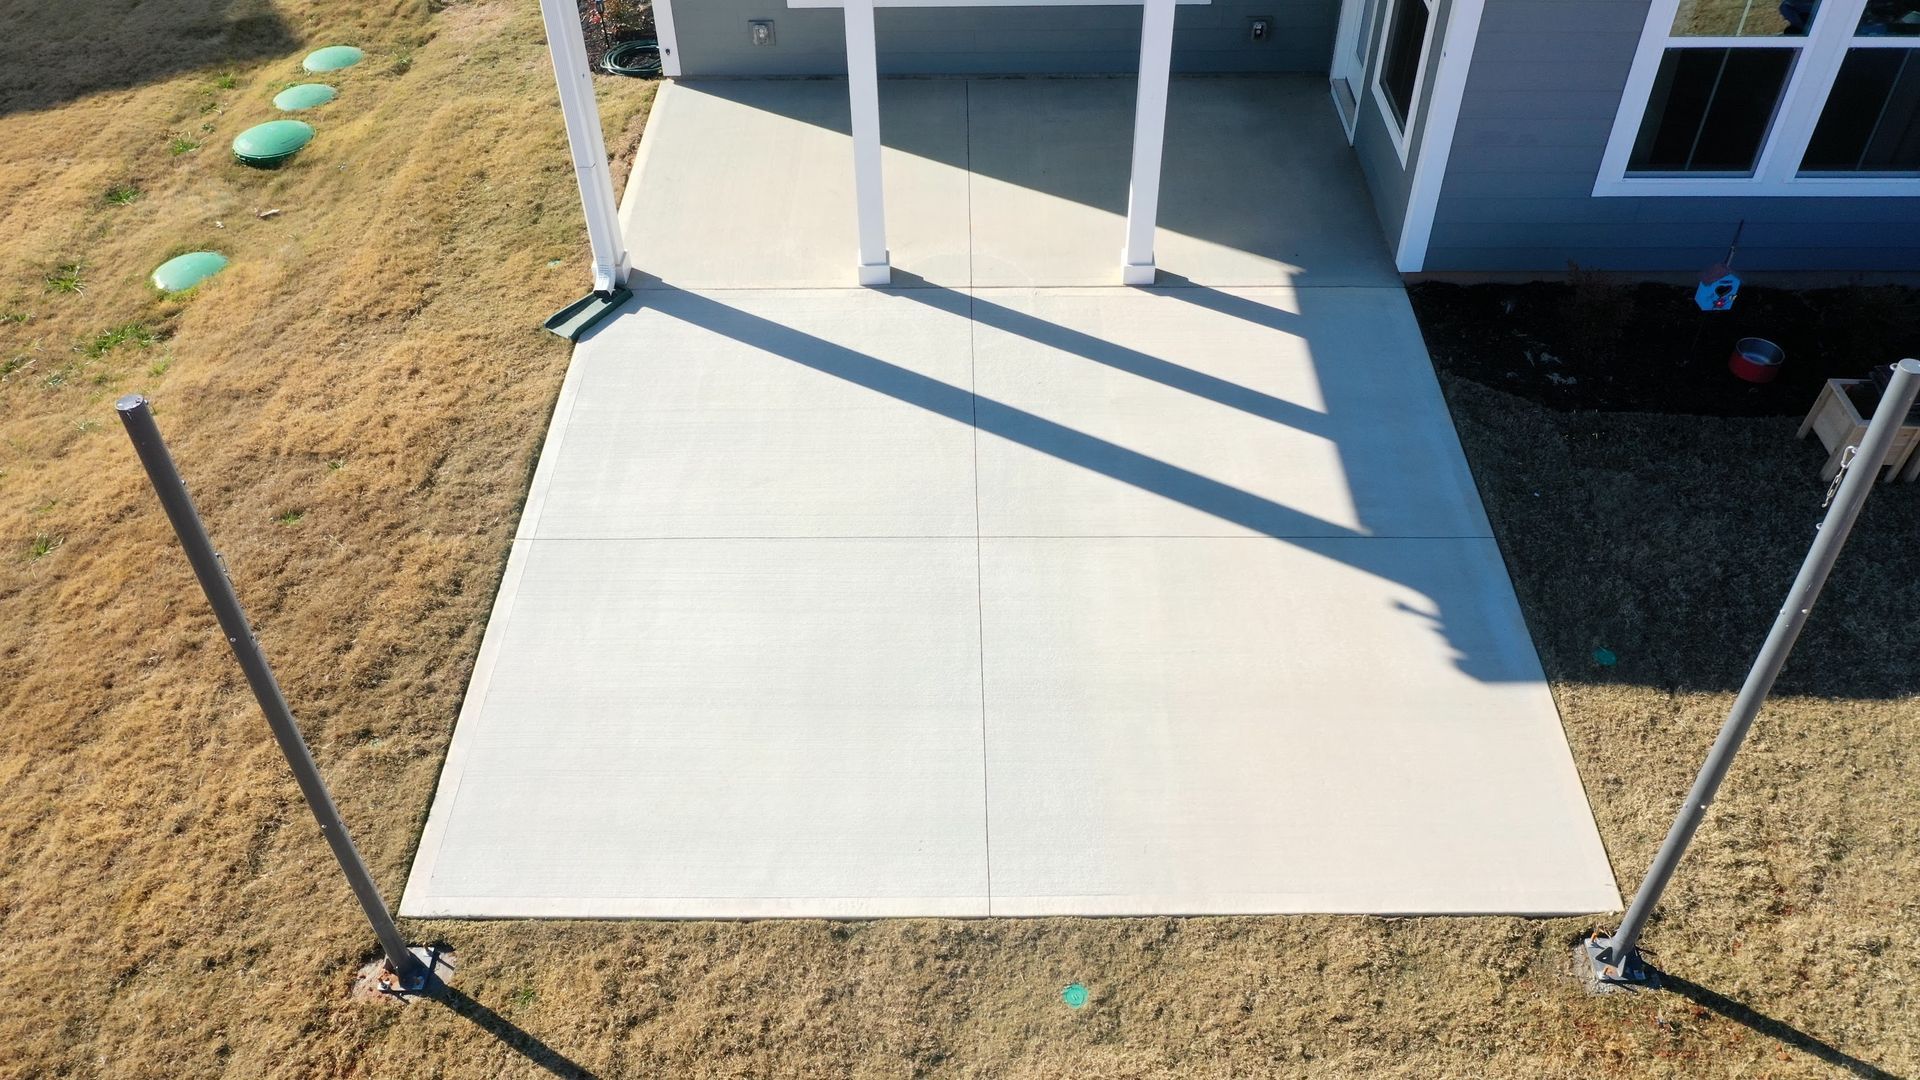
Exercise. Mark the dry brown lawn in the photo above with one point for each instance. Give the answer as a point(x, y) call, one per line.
point(357, 403)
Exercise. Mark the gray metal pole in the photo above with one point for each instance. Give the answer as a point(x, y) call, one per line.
point(207, 566)
point(1615, 958)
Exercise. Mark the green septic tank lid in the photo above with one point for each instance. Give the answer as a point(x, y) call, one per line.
point(333, 58)
point(185, 271)
point(272, 142)
point(304, 96)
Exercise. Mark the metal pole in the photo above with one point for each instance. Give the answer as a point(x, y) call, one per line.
point(1615, 958)
point(212, 573)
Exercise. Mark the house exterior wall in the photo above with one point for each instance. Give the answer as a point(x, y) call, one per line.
point(1210, 38)
point(1540, 99)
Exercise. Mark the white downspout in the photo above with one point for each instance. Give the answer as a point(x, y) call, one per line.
point(568, 47)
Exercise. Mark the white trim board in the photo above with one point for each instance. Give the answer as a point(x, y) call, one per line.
point(1805, 94)
point(1436, 140)
point(663, 32)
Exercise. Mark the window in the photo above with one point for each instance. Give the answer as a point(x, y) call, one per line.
point(1709, 110)
point(1402, 65)
point(1401, 55)
point(1871, 120)
point(1757, 97)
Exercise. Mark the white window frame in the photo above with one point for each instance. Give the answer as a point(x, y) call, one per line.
point(1349, 62)
point(1402, 134)
point(1774, 173)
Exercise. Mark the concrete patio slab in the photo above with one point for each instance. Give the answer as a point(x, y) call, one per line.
point(685, 417)
point(1258, 186)
point(1256, 725)
point(1278, 412)
point(950, 599)
point(720, 729)
point(999, 182)
point(748, 183)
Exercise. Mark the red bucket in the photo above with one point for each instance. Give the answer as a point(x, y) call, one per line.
point(1756, 360)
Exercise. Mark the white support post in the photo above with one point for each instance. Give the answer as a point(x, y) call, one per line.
point(863, 92)
point(669, 41)
point(1149, 133)
point(568, 47)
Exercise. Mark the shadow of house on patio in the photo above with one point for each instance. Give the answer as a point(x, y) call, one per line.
point(53, 53)
point(1480, 639)
point(1259, 185)
point(1011, 183)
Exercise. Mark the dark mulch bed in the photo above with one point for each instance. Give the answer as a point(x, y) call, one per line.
point(1591, 344)
point(606, 23)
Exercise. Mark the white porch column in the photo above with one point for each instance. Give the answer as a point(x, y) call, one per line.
point(863, 91)
point(1149, 132)
point(569, 51)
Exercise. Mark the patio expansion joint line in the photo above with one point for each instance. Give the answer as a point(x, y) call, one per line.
point(979, 561)
point(980, 616)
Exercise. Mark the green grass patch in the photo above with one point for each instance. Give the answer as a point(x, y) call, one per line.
point(290, 517)
point(67, 278)
point(43, 545)
point(137, 334)
point(179, 145)
point(122, 195)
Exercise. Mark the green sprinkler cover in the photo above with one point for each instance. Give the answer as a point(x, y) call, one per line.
point(185, 271)
point(272, 142)
point(304, 96)
point(333, 58)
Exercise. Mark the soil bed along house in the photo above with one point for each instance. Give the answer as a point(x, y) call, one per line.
point(356, 402)
point(1595, 343)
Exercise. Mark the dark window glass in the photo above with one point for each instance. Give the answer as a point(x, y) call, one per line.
point(1400, 63)
point(1890, 18)
point(1710, 110)
point(1871, 122)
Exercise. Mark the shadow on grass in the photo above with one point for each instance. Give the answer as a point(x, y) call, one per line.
point(1785, 1034)
point(513, 1037)
point(1670, 541)
point(51, 54)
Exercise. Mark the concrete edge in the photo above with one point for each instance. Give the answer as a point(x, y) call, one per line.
point(413, 901)
point(642, 156)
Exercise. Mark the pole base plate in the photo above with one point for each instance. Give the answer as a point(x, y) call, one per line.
point(577, 318)
point(377, 982)
point(1593, 962)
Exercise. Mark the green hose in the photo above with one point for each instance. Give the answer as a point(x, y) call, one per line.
point(640, 58)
